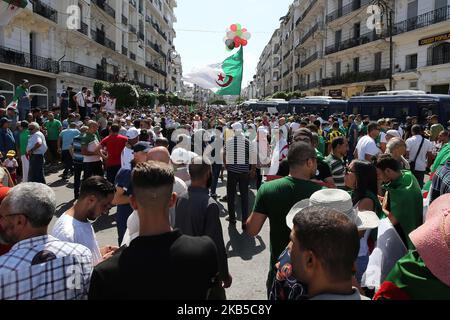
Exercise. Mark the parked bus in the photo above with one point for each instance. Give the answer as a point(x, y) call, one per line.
point(400, 106)
point(272, 106)
point(325, 106)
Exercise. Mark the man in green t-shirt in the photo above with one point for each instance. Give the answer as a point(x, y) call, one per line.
point(52, 129)
point(92, 154)
point(24, 134)
point(276, 198)
point(435, 128)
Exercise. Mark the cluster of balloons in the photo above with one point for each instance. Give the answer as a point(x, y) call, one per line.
point(236, 36)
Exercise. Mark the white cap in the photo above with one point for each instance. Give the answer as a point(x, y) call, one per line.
point(132, 133)
point(393, 133)
point(237, 126)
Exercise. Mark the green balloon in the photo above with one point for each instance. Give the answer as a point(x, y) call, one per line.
point(239, 33)
point(239, 27)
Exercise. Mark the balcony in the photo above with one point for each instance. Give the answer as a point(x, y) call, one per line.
point(155, 68)
point(423, 20)
point(345, 10)
point(26, 60)
point(310, 59)
point(287, 54)
point(286, 73)
point(353, 42)
point(124, 51)
point(105, 7)
point(352, 77)
point(124, 20)
point(158, 29)
point(132, 56)
point(133, 3)
point(76, 68)
point(84, 28)
point(310, 33)
point(305, 13)
point(45, 10)
point(155, 47)
point(141, 36)
point(99, 37)
point(297, 65)
point(311, 85)
point(133, 29)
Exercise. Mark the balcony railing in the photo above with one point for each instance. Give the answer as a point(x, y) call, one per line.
point(423, 20)
point(311, 5)
point(353, 42)
point(133, 3)
point(141, 36)
point(100, 38)
point(155, 68)
point(45, 10)
point(79, 69)
point(84, 28)
point(105, 7)
point(310, 32)
point(345, 10)
point(132, 56)
point(124, 51)
point(287, 54)
point(352, 77)
point(311, 85)
point(124, 20)
point(158, 29)
point(26, 60)
point(310, 59)
point(133, 29)
point(297, 65)
point(286, 73)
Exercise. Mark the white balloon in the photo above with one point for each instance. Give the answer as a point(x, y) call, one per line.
point(246, 35)
point(231, 35)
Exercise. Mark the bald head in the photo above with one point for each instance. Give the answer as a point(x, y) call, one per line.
point(159, 154)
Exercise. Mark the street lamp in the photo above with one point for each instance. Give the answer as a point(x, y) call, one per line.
point(386, 9)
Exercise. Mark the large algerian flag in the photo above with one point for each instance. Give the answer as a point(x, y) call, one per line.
point(9, 9)
point(223, 78)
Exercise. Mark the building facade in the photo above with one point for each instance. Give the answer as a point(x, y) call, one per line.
point(330, 47)
point(115, 40)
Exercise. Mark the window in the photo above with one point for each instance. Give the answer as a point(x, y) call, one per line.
point(338, 37)
point(411, 62)
point(356, 30)
point(378, 61)
point(356, 64)
point(338, 69)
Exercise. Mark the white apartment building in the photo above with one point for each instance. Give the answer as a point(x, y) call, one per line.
point(268, 76)
point(422, 55)
point(117, 40)
point(309, 45)
point(335, 52)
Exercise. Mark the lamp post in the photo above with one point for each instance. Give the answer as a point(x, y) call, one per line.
point(387, 10)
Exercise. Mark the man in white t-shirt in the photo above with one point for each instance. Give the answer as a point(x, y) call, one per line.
point(127, 154)
point(80, 101)
point(424, 158)
point(367, 148)
point(74, 225)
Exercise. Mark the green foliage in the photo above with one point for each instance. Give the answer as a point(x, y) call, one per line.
point(218, 102)
point(99, 86)
point(280, 95)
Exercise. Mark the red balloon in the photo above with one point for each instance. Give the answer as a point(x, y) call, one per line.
point(233, 27)
point(237, 43)
point(244, 30)
point(244, 42)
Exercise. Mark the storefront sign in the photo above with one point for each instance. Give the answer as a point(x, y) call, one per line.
point(335, 93)
point(433, 39)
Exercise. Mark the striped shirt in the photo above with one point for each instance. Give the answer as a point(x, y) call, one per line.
point(441, 182)
point(238, 154)
point(337, 167)
point(76, 144)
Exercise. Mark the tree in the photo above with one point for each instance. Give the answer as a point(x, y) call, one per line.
point(280, 95)
point(218, 102)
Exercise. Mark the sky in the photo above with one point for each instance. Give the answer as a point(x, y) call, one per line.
point(199, 48)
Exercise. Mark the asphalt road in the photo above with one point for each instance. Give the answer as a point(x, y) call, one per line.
point(248, 257)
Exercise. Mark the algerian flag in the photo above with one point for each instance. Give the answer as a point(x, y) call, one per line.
point(223, 78)
point(9, 9)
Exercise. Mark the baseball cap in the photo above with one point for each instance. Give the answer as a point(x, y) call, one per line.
point(132, 133)
point(142, 146)
point(4, 120)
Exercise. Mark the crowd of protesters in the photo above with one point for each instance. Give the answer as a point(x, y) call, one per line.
point(333, 189)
